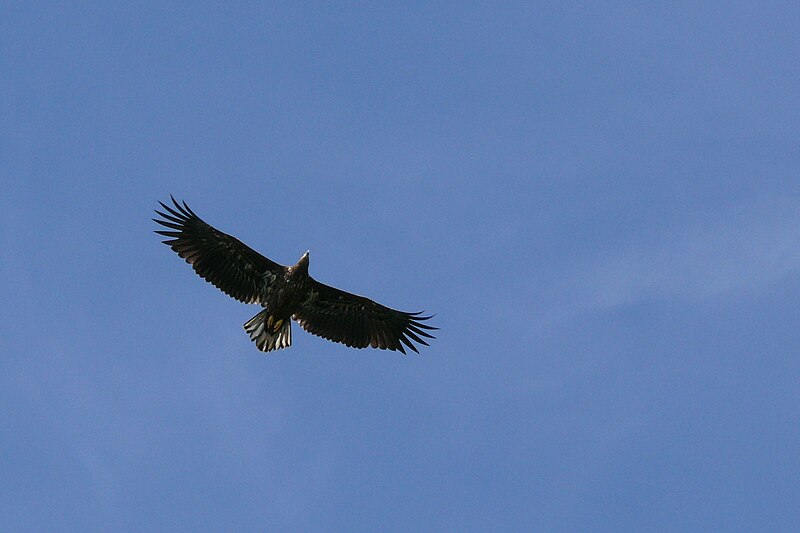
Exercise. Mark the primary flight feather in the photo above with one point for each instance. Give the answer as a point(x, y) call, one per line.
point(286, 293)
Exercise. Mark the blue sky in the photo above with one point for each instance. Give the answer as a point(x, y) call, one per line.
point(600, 203)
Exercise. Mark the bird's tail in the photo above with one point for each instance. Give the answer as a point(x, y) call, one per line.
point(269, 334)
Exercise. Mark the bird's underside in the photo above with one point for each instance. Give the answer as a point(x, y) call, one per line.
point(286, 293)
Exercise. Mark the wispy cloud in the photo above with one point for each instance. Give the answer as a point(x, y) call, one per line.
point(741, 249)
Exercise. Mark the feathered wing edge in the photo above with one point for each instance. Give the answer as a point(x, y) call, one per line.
point(359, 322)
point(414, 330)
point(222, 260)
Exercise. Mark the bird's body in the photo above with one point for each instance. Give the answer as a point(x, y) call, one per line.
point(271, 328)
point(286, 293)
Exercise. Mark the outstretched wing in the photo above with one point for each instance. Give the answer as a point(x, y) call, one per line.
point(224, 261)
point(359, 322)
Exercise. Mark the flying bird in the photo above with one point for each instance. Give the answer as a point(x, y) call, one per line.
point(286, 293)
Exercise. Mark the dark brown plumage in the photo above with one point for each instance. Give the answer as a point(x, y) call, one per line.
point(286, 293)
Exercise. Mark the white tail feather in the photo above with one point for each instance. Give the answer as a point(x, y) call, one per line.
point(257, 328)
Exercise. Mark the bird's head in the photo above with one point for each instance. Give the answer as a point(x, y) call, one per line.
point(302, 264)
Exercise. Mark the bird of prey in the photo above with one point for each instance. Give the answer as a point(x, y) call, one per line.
point(286, 293)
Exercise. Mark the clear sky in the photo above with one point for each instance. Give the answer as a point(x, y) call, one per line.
point(599, 201)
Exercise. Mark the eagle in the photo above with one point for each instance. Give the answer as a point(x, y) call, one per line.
point(286, 292)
